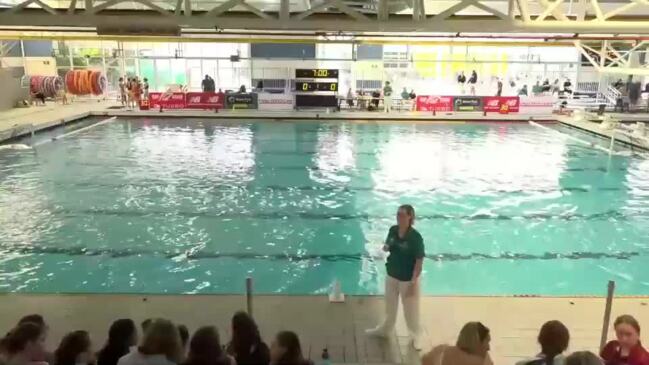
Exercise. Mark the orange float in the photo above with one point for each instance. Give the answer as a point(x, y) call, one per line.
point(85, 82)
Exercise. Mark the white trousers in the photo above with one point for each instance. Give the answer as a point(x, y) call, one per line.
point(393, 289)
point(387, 102)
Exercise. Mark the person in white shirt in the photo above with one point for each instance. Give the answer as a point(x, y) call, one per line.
point(160, 346)
point(387, 97)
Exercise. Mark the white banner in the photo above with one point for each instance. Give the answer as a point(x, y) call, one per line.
point(537, 104)
point(268, 101)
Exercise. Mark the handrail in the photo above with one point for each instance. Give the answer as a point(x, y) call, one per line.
point(607, 313)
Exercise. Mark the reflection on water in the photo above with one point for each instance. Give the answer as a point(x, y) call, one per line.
point(161, 206)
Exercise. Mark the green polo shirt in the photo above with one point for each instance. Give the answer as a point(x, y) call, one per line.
point(403, 253)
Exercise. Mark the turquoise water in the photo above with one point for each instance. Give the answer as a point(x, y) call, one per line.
point(190, 206)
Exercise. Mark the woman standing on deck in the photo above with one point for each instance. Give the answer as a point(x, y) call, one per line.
point(404, 265)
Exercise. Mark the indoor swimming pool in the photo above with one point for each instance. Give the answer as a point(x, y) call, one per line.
point(195, 206)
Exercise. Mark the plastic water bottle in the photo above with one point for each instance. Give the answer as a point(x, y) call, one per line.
point(325, 357)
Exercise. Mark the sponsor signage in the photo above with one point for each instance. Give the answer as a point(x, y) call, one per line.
point(501, 104)
point(437, 103)
point(537, 104)
point(467, 103)
point(167, 100)
point(204, 100)
point(241, 101)
point(268, 101)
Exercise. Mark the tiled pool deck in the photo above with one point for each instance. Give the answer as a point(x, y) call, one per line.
point(514, 321)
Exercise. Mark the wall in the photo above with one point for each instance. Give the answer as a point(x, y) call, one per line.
point(11, 90)
point(282, 50)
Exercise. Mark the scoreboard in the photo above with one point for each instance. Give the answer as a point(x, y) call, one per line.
point(316, 88)
point(307, 86)
point(315, 73)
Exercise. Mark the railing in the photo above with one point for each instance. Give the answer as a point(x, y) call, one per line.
point(611, 94)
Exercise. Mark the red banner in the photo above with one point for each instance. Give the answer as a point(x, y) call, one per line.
point(501, 104)
point(437, 103)
point(204, 100)
point(167, 100)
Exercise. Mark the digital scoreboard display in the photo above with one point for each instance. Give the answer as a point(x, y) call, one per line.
point(315, 73)
point(307, 86)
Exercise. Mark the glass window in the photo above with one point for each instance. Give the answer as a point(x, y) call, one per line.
point(147, 71)
point(163, 74)
point(334, 51)
point(178, 71)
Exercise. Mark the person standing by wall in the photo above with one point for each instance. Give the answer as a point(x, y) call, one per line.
point(461, 80)
point(472, 81)
point(122, 91)
point(404, 266)
point(145, 89)
point(205, 84)
point(387, 97)
point(499, 91)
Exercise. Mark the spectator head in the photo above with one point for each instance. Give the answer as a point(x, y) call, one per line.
point(245, 333)
point(122, 334)
point(184, 335)
point(286, 349)
point(162, 338)
point(33, 318)
point(27, 339)
point(627, 331)
point(146, 80)
point(553, 338)
point(205, 347)
point(207, 77)
point(75, 348)
point(583, 358)
point(474, 339)
point(145, 324)
point(406, 215)
point(387, 83)
point(121, 79)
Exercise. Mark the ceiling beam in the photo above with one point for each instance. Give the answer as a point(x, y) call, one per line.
point(347, 19)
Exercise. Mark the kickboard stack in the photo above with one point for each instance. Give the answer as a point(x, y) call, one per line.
point(50, 86)
point(85, 82)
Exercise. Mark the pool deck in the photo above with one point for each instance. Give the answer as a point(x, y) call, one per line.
point(514, 321)
point(592, 124)
point(19, 122)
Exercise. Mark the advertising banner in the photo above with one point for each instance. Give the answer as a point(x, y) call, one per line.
point(428, 103)
point(204, 100)
point(501, 104)
point(537, 104)
point(167, 100)
point(241, 100)
point(268, 101)
point(467, 103)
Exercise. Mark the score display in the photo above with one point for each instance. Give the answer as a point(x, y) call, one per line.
point(315, 73)
point(307, 86)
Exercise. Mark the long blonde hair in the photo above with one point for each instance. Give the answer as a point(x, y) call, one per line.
point(162, 338)
point(471, 338)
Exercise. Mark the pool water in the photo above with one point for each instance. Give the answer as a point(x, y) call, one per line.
point(193, 206)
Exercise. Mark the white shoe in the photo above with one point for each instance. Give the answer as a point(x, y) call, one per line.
point(377, 332)
point(416, 343)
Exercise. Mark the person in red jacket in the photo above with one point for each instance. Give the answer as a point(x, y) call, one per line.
point(626, 350)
